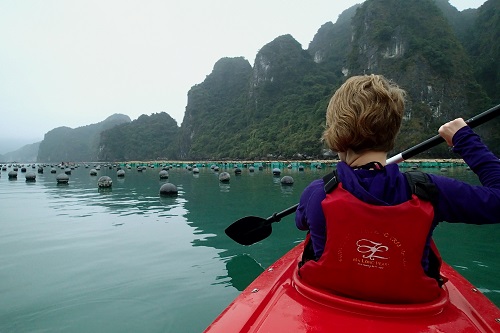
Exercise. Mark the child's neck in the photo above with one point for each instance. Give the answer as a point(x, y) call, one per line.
point(356, 160)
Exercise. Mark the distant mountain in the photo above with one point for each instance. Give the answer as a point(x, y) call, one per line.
point(27, 153)
point(8, 145)
point(447, 61)
point(151, 137)
point(76, 145)
point(460, 21)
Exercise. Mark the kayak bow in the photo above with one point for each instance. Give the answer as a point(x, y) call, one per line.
point(277, 301)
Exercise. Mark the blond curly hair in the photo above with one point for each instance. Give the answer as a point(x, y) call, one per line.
point(365, 113)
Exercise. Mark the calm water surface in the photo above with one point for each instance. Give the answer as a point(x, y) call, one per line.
point(77, 259)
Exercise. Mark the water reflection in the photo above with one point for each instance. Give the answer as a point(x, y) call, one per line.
point(224, 187)
point(287, 190)
point(105, 190)
point(242, 269)
point(137, 195)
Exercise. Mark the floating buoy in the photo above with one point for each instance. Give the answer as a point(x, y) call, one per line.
point(237, 171)
point(163, 174)
point(216, 169)
point(224, 177)
point(53, 170)
point(40, 170)
point(287, 180)
point(67, 171)
point(104, 181)
point(23, 169)
point(196, 170)
point(251, 168)
point(168, 189)
point(120, 173)
point(93, 172)
point(276, 171)
point(301, 168)
point(12, 174)
point(62, 178)
point(444, 170)
point(30, 177)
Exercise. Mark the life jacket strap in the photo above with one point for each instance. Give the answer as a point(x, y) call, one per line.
point(331, 181)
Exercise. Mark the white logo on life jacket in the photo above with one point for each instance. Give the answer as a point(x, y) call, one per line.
point(370, 248)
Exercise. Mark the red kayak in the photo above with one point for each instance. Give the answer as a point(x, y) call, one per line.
point(277, 301)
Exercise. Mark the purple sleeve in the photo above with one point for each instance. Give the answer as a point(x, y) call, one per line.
point(309, 215)
point(461, 202)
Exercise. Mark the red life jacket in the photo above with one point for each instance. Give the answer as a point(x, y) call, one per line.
point(374, 253)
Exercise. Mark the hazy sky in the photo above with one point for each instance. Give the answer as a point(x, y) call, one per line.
point(74, 63)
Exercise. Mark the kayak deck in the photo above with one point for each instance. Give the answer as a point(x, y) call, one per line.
point(277, 301)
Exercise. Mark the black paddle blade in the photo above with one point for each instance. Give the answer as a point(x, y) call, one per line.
point(249, 230)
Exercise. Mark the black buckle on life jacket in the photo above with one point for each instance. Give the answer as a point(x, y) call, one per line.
point(331, 181)
point(421, 186)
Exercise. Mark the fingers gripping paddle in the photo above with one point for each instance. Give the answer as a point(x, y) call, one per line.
point(252, 229)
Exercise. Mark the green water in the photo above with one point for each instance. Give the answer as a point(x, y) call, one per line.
point(77, 259)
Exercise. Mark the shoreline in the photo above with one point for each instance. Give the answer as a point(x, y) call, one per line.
point(437, 162)
point(433, 162)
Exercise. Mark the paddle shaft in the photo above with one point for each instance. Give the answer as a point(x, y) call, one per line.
point(276, 217)
point(437, 139)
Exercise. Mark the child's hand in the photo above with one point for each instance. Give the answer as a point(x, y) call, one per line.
point(448, 130)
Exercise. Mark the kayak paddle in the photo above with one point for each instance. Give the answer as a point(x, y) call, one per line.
point(252, 229)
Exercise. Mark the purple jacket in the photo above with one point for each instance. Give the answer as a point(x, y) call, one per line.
point(457, 201)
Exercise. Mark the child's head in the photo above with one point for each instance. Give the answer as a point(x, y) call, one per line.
point(365, 113)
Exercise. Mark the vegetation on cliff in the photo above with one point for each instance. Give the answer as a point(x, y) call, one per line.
point(446, 60)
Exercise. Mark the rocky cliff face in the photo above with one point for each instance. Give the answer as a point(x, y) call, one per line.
point(214, 107)
point(414, 44)
point(280, 66)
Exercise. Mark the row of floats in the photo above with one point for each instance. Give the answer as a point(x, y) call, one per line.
point(167, 189)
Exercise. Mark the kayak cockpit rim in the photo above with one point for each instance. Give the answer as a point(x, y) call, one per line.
point(369, 308)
